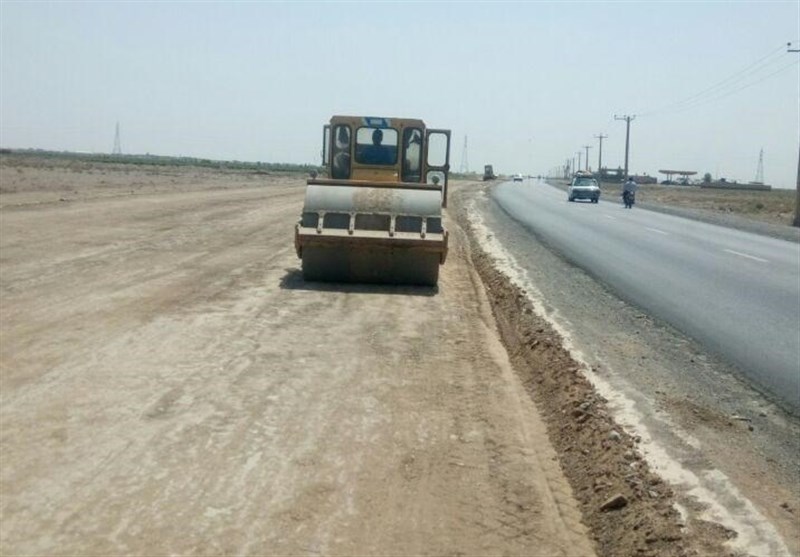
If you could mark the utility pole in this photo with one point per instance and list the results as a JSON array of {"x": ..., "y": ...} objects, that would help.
[
  {"x": 587, "y": 147},
  {"x": 600, "y": 158},
  {"x": 627, "y": 137},
  {"x": 760, "y": 168},
  {"x": 464, "y": 169},
  {"x": 796, "y": 221},
  {"x": 580, "y": 155},
  {"x": 117, "y": 144}
]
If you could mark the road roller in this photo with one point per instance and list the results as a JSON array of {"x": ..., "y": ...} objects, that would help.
[{"x": 376, "y": 215}]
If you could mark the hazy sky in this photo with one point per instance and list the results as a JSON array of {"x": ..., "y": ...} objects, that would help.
[{"x": 528, "y": 83}]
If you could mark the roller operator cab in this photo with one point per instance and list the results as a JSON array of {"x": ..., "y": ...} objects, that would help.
[{"x": 377, "y": 216}]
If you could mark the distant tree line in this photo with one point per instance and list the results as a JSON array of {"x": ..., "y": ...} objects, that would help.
[{"x": 161, "y": 160}]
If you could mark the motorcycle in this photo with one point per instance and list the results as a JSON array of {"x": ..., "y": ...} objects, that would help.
[{"x": 628, "y": 198}]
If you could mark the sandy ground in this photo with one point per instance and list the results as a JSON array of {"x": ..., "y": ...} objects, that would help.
[{"x": 170, "y": 385}]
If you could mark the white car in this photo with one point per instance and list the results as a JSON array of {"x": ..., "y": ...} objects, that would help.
[
  {"x": 583, "y": 187},
  {"x": 517, "y": 177}
]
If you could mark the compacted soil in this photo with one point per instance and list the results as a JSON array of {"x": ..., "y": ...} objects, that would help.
[{"x": 172, "y": 385}]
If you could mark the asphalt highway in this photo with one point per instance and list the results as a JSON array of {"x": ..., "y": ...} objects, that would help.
[{"x": 737, "y": 293}]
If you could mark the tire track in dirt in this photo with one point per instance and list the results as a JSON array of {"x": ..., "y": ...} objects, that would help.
[{"x": 210, "y": 401}]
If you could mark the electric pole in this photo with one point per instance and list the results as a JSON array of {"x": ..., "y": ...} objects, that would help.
[
  {"x": 464, "y": 168},
  {"x": 587, "y": 147},
  {"x": 797, "y": 198},
  {"x": 796, "y": 221},
  {"x": 580, "y": 155},
  {"x": 117, "y": 144},
  {"x": 627, "y": 137},
  {"x": 600, "y": 158},
  {"x": 760, "y": 168}
]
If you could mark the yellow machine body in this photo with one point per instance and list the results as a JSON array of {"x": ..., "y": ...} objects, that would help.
[{"x": 377, "y": 216}]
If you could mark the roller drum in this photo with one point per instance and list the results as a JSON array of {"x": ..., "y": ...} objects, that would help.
[{"x": 372, "y": 234}]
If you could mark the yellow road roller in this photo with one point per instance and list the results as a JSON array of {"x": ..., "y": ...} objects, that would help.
[{"x": 377, "y": 215}]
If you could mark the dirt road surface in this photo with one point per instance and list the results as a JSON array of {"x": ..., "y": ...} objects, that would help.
[{"x": 170, "y": 385}]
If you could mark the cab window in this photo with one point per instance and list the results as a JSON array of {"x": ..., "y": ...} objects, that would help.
[
  {"x": 376, "y": 146},
  {"x": 340, "y": 167},
  {"x": 412, "y": 155}
]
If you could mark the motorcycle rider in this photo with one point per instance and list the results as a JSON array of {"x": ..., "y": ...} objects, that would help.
[{"x": 629, "y": 190}]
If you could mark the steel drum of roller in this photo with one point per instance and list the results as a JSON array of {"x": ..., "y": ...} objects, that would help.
[{"x": 372, "y": 234}]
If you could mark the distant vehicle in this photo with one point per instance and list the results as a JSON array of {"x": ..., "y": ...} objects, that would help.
[
  {"x": 583, "y": 186},
  {"x": 517, "y": 177},
  {"x": 488, "y": 173}
]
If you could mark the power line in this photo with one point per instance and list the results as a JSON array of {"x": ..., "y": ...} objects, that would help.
[
  {"x": 734, "y": 91},
  {"x": 721, "y": 86},
  {"x": 734, "y": 83},
  {"x": 754, "y": 67}
]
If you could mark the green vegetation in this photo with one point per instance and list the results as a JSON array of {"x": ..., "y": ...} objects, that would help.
[
  {"x": 159, "y": 160},
  {"x": 467, "y": 176}
]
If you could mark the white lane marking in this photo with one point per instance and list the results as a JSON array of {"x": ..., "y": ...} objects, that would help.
[
  {"x": 740, "y": 254},
  {"x": 610, "y": 217},
  {"x": 657, "y": 230}
]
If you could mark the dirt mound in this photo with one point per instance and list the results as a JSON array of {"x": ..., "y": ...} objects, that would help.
[{"x": 628, "y": 508}]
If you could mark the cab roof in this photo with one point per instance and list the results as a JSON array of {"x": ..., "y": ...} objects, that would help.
[{"x": 377, "y": 121}]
